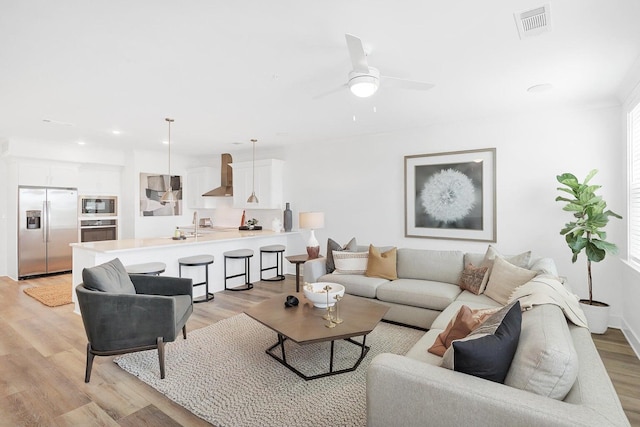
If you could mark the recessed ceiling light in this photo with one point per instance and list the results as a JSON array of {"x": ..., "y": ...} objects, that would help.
[
  {"x": 116, "y": 132},
  {"x": 81, "y": 143},
  {"x": 165, "y": 142},
  {"x": 236, "y": 143},
  {"x": 544, "y": 87}
]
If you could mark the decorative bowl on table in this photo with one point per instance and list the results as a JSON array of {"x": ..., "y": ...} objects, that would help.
[{"x": 317, "y": 294}]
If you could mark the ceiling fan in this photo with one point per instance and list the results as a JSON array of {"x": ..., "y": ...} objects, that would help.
[{"x": 365, "y": 80}]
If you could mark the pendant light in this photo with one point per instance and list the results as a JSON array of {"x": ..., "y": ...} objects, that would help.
[
  {"x": 252, "y": 198},
  {"x": 168, "y": 195}
]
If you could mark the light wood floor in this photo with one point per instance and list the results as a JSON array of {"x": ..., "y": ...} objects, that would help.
[{"x": 42, "y": 360}]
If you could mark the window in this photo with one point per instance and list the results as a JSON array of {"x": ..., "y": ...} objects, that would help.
[{"x": 634, "y": 184}]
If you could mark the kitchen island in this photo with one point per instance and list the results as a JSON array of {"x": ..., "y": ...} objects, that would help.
[{"x": 168, "y": 250}]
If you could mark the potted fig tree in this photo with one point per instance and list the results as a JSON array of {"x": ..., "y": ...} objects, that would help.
[{"x": 586, "y": 233}]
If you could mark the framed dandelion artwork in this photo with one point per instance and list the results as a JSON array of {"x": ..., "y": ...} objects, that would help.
[{"x": 451, "y": 195}]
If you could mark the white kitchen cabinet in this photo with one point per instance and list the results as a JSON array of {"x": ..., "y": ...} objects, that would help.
[
  {"x": 199, "y": 181},
  {"x": 98, "y": 180},
  {"x": 268, "y": 184},
  {"x": 47, "y": 174}
]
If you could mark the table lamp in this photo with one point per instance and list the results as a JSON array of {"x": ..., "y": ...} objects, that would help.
[{"x": 312, "y": 221}]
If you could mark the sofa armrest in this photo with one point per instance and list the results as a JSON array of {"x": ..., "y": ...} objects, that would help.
[
  {"x": 161, "y": 285},
  {"x": 314, "y": 268},
  {"x": 417, "y": 393}
]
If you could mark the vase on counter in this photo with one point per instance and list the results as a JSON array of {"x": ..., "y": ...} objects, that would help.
[{"x": 288, "y": 218}]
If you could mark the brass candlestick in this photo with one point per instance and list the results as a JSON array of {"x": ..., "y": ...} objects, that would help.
[
  {"x": 330, "y": 323},
  {"x": 337, "y": 319}
]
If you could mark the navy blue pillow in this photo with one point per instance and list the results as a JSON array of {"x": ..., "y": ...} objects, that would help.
[{"x": 489, "y": 356}]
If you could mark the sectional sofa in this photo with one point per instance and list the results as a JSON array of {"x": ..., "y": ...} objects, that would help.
[{"x": 555, "y": 377}]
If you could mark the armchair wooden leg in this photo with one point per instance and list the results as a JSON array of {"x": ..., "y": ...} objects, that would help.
[
  {"x": 90, "y": 356},
  {"x": 160, "y": 343},
  {"x": 184, "y": 332}
]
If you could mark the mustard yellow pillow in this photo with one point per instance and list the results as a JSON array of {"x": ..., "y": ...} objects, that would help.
[{"x": 382, "y": 264}]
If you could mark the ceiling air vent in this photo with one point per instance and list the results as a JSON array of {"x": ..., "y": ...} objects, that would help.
[{"x": 533, "y": 22}]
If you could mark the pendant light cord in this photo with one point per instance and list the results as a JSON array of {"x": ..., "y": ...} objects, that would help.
[{"x": 169, "y": 143}]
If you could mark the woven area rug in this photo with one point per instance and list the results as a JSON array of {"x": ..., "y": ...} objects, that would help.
[
  {"x": 222, "y": 374},
  {"x": 51, "y": 295}
]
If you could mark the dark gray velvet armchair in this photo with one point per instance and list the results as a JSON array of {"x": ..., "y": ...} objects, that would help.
[{"x": 127, "y": 313}]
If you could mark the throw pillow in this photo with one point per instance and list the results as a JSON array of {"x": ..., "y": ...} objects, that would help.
[
  {"x": 488, "y": 351},
  {"x": 521, "y": 260},
  {"x": 383, "y": 264},
  {"x": 108, "y": 277},
  {"x": 350, "y": 262},
  {"x": 505, "y": 277},
  {"x": 332, "y": 245},
  {"x": 459, "y": 327},
  {"x": 472, "y": 278}
]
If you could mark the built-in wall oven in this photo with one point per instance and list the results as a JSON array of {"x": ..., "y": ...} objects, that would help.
[
  {"x": 95, "y": 230},
  {"x": 98, "y": 218}
]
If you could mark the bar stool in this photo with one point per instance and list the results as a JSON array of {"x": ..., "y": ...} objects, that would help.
[
  {"x": 151, "y": 268},
  {"x": 197, "y": 261},
  {"x": 279, "y": 251},
  {"x": 245, "y": 254}
]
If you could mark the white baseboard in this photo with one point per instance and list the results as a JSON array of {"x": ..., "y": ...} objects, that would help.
[{"x": 634, "y": 342}]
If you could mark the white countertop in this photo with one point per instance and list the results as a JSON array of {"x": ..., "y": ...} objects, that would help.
[{"x": 210, "y": 236}]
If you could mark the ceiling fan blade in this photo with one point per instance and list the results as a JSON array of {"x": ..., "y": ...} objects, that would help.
[
  {"x": 331, "y": 92},
  {"x": 356, "y": 52},
  {"x": 405, "y": 84}
]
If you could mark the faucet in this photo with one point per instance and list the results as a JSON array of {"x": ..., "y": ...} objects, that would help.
[{"x": 195, "y": 223}]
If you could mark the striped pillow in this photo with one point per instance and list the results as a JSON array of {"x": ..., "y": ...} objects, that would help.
[{"x": 350, "y": 262}]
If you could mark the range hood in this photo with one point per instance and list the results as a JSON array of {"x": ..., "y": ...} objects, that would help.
[{"x": 226, "y": 179}]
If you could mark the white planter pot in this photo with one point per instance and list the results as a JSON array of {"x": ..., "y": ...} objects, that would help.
[{"x": 597, "y": 316}]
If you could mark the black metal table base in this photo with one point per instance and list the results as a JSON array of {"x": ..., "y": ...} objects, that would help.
[{"x": 364, "y": 349}]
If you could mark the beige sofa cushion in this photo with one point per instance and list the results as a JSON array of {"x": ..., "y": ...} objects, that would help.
[
  {"x": 418, "y": 293},
  {"x": 355, "y": 284},
  {"x": 438, "y": 266},
  {"x": 546, "y": 361}
]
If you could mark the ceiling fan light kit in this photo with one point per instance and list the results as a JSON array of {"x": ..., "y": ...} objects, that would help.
[{"x": 364, "y": 85}]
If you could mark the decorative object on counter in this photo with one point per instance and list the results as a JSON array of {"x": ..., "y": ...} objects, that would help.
[
  {"x": 276, "y": 225},
  {"x": 168, "y": 195},
  {"x": 251, "y": 225},
  {"x": 243, "y": 219},
  {"x": 288, "y": 218},
  {"x": 252, "y": 198},
  {"x": 318, "y": 295},
  {"x": 312, "y": 221}
]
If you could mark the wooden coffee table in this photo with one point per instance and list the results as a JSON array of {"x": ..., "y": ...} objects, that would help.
[{"x": 304, "y": 324}]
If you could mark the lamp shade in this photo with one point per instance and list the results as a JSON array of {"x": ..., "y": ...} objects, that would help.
[{"x": 311, "y": 220}]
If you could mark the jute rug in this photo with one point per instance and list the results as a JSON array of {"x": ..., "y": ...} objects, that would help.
[
  {"x": 51, "y": 295},
  {"x": 222, "y": 374}
]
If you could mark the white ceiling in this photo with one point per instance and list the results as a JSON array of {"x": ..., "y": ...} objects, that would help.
[{"x": 229, "y": 71}]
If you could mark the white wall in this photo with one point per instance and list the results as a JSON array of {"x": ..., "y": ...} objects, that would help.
[{"x": 359, "y": 184}]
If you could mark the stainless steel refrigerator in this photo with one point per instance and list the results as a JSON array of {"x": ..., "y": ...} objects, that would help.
[{"x": 47, "y": 224}]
